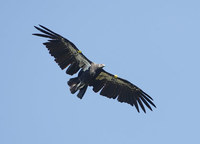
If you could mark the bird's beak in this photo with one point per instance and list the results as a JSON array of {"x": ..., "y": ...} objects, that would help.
[{"x": 103, "y": 65}]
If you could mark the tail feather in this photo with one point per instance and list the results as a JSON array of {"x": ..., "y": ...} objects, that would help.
[
  {"x": 73, "y": 81},
  {"x": 82, "y": 92},
  {"x": 73, "y": 89}
]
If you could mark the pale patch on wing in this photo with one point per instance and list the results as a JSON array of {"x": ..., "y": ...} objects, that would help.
[{"x": 115, "y": 79}]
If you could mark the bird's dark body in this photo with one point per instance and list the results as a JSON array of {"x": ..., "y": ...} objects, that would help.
[
  {"x": 84, "y": 79},
  {"x": 67, "y": 55},
  {"x": 85, "y": 76},
  {"x": 90, "y": 74}
]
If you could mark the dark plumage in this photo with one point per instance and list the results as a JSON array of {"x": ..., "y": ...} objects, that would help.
[{"x": 67, "y": 55}]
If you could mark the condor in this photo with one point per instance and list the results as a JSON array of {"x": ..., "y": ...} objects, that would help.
[{"x": 67, "y": 55}]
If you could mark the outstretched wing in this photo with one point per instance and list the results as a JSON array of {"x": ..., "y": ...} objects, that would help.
[
  {"x": 114, "y": 87},
  {"x": 65, "y": 52}
]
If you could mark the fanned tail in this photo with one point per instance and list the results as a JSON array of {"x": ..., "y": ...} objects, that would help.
[{"x": 75, "y": 85}]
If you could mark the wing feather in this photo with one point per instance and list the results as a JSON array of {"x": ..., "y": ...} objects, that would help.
[
  {"x": 66, "y": 54},
  {"x": 123, "y": 90},
  {"x": 141, "y": 105},
  {"x": 146, "y": 103},
  {"x": 98, "y": 85}
]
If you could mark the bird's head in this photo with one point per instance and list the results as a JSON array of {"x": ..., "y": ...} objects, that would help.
[
  {"x": 95, "y": 67},
  {"x": 101, "y": 65}
]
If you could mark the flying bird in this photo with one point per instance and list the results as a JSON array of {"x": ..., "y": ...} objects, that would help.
[{"x": 67, "y": 55}]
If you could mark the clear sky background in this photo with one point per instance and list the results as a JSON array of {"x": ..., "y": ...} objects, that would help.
[{"x": 154, "y": 44}]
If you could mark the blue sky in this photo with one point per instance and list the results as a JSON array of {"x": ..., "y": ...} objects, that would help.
[{"x": 154, "y": 44}]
